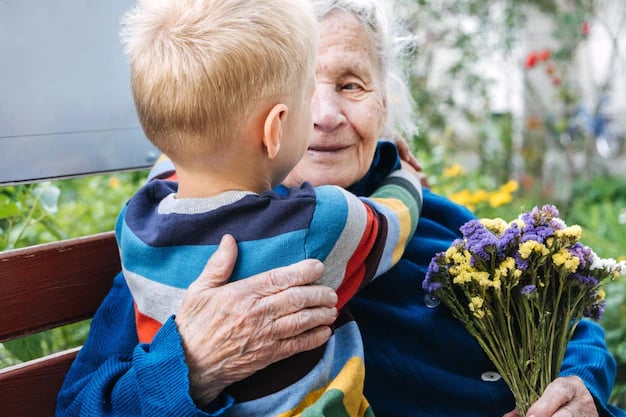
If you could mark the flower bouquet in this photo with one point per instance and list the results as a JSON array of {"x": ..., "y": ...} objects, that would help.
[{"x": 520, "y": 289}]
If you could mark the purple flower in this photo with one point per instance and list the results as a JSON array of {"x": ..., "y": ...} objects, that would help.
[
  {"x": 434, "y": 286},
  {"x": 540, "y": 216},
  {"x": 582, "y": 252},
  {"x": 428, "y": 285},
  {"x": 457, "y": 243},
  {"x": 520, "y": 263},
  {"x": 583, "y": 279},
  {"x": 537, "y": 233},
  {"x": 557, "y": 224},
  {"x": 595, "y": 310},
  {"x": 528, "y": 289},
  {"x": 480, "y": 241},
  {"x": 544, "y": 232},
  {"x": 434, "y": 264},
  {"x": 510, "y": 238},
  {"x": 526, "y": 236},
  {"x": 549, "y": 211}
]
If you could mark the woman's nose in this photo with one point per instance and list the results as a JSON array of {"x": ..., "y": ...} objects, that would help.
[{"x": 327, "y": 111}]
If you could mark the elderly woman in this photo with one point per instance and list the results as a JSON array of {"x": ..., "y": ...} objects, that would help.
[{"x": 419, "y": 360}]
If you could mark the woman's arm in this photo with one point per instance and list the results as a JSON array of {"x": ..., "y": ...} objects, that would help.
[{"x": 114, "y": 375}]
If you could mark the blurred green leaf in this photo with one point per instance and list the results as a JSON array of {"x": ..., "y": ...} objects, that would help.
[
  {"x": 27, "y": 348},
  {"x": 8, "y": 208}
]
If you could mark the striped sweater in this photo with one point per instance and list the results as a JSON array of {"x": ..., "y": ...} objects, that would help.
[{"x": 165, "y": 242}]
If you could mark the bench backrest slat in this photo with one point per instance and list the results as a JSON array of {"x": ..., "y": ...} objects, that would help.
[
  {"x": 30, "y": 389},
  {"x": 43, "y": 287},
  {"x": 47, "y": 285}
]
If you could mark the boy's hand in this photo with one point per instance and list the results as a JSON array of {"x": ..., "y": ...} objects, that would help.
[{"x": 407, "y": 158}]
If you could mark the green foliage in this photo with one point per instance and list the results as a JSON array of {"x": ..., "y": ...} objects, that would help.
[
  {"x": 44, "y": 343},
  {"x": 46, "y": 212},
  {"x": 27, "y": 210}
]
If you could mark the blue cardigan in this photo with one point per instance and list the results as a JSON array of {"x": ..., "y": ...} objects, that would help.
[{"x": 419, "y": 360}]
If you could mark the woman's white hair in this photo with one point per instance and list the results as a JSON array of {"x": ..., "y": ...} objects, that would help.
[{"x": 392, "y": 45}]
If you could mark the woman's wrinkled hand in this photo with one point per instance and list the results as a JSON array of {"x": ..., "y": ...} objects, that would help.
[
  {"x": 564, "y": 397},
  {"x": 230, "y": 331}
]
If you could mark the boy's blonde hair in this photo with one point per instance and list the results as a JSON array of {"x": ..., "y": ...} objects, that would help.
[{"x": 200, "y": 68}]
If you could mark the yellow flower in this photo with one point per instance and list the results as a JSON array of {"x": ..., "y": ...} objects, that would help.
[
  {"x": 453, "y": 255},
  {"x": 566, "y": 260},
  {"x": 572, "y": 232},
  {"x": 503, "y": 195},
  {"x": 497, "y": 225},
  {"x": 601, "y": 294},
  {"x": 482, "y": 278},
  {"x": 503, "y": 270},
  {"x": 114, "y": 182},
  {"x": 510, "y": 187},
  {"x": 475, "y": 306},
  {"x": 499, "y": 198},
  {"x": 527, "y": 248},
  {"x": 464, "y": 198},
  {"x": 452, "y": 250},
  {"x": 462, "y": 278},
  {"x": 480, "y": 196},
  {"x": 519, "y": 222},
  {"x": 453, "y": 171},
  {"x": 477, "y": 302}
]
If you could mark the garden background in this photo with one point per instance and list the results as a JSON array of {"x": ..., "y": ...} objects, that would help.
[{"x": 519, "y": 103}]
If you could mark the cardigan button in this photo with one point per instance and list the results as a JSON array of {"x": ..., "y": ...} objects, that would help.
[
  {"x": 490, "y": 376},
  {"x": 431, "y": 301}
]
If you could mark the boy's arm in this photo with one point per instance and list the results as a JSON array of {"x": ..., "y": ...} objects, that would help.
[
  {"x": 359, "y": 239},
  {"x": 115, "y": 375},
  {"x": 402, "y": 188}
]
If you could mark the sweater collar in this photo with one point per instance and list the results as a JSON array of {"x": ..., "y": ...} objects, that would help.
[{"x": 385, "y": 161}]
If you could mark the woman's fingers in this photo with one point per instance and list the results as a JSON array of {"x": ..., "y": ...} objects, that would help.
[
  {"x": 279, "y": 279},
  {"x": 564, "y": 397},
  {"x": 220, "y": 266},
  {"x": 302, "y": 321}
]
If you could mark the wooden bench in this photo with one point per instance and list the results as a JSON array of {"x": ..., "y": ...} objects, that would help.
[{"x": 44, "y": 287}]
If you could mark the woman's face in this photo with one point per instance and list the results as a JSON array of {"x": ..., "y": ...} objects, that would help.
[{"x": 349, "y": 108}]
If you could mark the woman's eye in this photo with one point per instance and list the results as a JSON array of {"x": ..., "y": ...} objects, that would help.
[{"x": 351, "y": 87}]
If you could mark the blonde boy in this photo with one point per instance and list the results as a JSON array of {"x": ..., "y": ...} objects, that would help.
[{"x": 224, "y": 88}]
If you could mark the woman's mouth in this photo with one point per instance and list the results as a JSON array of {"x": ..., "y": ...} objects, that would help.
[{"x": 326, "y": 149}]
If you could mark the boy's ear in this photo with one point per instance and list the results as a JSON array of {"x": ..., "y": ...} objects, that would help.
[{"x": 273, "y": 129}]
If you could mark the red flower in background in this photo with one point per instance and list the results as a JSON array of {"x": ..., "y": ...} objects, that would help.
[
  {"x": 531, "y": 60},
  {"x": 535, "y": 58},
  {"x": 584, "y": 28}
]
